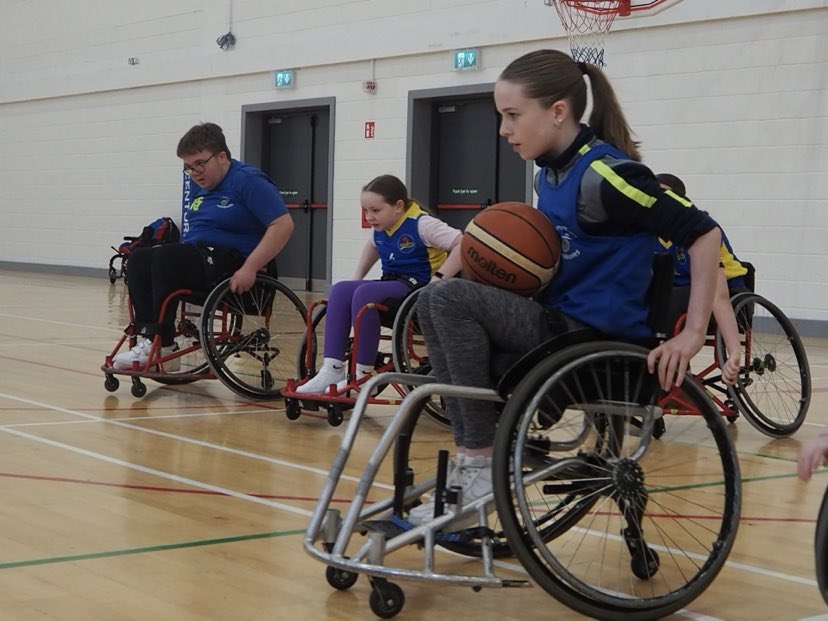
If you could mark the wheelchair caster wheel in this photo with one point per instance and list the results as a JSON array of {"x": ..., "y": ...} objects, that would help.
[
  {"x": 111, "y": 383},
  {"x": 292, "y": 409},
  {"x": 340, "y": 579},
  {"x": 645, "y": 563},
  {"x": 113, "y": 276},
  {"x": 138, "y": 388},
  {"x": 388, "y": 602},
  {"x": 659, "y": 428},
  {"x": 732, "y": 418},
  {"x": 335, "y": 416}
]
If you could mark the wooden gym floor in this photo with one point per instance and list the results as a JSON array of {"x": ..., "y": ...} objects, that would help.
[{"x": 190, "y": 504}]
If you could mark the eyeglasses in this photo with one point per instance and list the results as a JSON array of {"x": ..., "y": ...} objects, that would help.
[{"x": 198, "y": 167}]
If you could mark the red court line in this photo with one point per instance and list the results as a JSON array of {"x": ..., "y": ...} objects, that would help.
[
  {"x": 154, "y": 488},
  {"x": 183, "y": 490}
]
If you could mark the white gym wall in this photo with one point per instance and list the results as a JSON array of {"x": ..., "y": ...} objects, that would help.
[{"x": 730, "y": 96}]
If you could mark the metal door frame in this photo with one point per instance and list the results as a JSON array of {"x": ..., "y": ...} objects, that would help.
[
  {"x": 420, "y": 144},
  {"x": 251, "y": 152}
]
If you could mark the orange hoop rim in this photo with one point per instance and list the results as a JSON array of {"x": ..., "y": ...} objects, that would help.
[{"x": 623, "y": 8}]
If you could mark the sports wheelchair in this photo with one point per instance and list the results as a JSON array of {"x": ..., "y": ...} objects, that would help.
[
  {"x": 246, "y": 340},
  {"x": 402, "y": 349},
  {"x": 609, "y": 520},
  {"x": 773, "y": 388}
]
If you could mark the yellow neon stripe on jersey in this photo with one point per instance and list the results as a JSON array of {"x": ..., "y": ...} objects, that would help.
[
  {"x": 680, "y": 199},
  {"x": 618, "y": 182}
]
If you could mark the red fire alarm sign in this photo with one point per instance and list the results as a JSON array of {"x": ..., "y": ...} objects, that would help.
[{"x": 369, "y": 129}]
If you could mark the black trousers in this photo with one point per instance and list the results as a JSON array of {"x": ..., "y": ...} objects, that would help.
[{"x": 155, "y": 272}]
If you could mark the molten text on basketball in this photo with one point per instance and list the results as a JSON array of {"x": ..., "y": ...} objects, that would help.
[{"x": 490, "y": 266}]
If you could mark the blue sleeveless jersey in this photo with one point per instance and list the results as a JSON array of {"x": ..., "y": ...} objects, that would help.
[
  {"x": 733, "y": 268},
  {"x": 403, "y": 253},
  {"x": 681, "y": 261},
  {"x": 602, "y": 279}
]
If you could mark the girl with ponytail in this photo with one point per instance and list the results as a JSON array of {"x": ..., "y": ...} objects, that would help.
[{"x": 608, "y": 209}]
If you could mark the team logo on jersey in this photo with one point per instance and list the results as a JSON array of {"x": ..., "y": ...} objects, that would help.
[
  {"x": 406, "y": 243},
  {"x": 567, "y": 251},
  {"x": 195, "y": 204},
  {"x": 225, "y": 203}
]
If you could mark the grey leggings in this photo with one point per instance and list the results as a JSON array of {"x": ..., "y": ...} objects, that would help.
[{"x": 474, "y": 333}]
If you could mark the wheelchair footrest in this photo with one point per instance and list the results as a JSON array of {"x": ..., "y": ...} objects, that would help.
[
  {"x": 395, "y": 526},
  {"x": 390, "y": 528}
]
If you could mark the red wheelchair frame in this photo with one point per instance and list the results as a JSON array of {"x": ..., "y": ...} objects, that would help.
[
  {"x": 773, "y": 387},
  {"x": 404, "y": 357},
  {"x": 236, "y": 338}
]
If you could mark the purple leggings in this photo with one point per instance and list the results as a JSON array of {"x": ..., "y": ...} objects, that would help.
[{"x": 344, "y": 301}]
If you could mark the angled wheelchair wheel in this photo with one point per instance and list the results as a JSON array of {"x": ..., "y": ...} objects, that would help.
[
  {"x": 773, "y": 390},
  {"x": 250, "y": 339},
  {"x": 821, "y": 547},
  {"x": 613, "y": 523},
  {"x": 410, "y": 354}
]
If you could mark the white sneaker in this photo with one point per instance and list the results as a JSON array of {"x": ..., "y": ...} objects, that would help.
[
  {"x": 319, "y": 383},
  {"x": 425, "y": 512},
  {"x": 476, "y": 478},
  {"x": 138, "y": 354}
]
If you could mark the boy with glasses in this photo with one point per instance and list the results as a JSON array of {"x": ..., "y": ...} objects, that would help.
[{"x": 235, "y": 224}]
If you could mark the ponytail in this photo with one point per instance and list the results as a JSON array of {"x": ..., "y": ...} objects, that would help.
[{"x": 607, "y": 119}]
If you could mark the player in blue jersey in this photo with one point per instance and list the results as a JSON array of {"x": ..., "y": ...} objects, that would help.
[
  {"x": 608, "y": 209},
  {"x": 234, "y": 225},
  {"x": 411, "y": 246},
  {"x": 729, "y": 281}
]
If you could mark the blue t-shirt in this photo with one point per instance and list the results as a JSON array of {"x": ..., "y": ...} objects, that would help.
[{"x": 235, "y": 213}]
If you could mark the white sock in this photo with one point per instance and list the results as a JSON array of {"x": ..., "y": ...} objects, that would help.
[
  {"x": 363, "y": 369},
  {"x": 332, "y": 363}
]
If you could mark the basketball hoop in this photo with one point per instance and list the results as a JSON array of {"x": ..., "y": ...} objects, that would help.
[{"x": 587, "y": 21}]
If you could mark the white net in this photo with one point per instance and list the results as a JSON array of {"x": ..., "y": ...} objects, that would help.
[{"x": 586, "y": 22}]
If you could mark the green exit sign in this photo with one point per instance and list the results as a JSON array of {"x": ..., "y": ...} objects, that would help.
[
  {"x": 466, "y": 59},
  {"x": 286, "y": 78}
]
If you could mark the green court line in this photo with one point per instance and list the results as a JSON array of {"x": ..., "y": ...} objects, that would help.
[{"x": 169, "y": 546}]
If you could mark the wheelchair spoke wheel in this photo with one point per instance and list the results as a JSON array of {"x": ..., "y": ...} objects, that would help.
[
  {"x": 410, "y": 354},
  {"x": 250, "y": 339},
  {"x": 773, "y": 390},
  {"x": 613, "y": 523},
  {"x": 821, "y": 547}
]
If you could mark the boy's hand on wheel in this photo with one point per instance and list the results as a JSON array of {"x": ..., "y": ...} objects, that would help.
[{"x": 242, "y": 280}]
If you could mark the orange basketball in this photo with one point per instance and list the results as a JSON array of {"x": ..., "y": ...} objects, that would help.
[{"x": 512, "y": 246}]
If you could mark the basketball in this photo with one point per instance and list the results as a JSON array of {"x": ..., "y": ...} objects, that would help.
[{"x": 511, "y": 246}]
